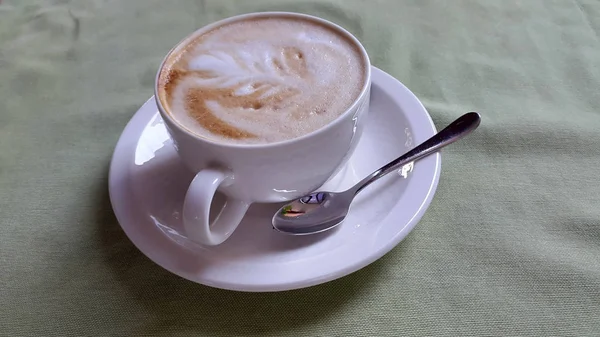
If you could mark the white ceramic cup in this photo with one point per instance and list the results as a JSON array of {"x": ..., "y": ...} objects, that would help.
[{"x": 260, "y": 173}]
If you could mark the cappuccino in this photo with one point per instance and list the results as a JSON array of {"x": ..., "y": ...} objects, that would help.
[{"x": 262, "y": 80}]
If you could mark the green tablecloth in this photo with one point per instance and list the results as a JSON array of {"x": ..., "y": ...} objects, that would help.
[{"x": 509, "y": 247}]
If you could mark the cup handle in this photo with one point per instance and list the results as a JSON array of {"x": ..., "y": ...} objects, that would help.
[{"x": 196, "y": 209}]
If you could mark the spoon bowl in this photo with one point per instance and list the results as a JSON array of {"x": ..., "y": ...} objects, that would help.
[
  {"x": 321, "y": 211},
  {"x": 313, "y": 214}
]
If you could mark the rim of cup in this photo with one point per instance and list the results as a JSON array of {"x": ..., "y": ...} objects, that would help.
[{"x": 358, "y": 100}]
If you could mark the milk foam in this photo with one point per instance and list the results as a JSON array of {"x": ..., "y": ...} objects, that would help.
[{"x": 263, "y": 80}]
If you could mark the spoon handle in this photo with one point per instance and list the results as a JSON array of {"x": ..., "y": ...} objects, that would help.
[{"x": 453, "y": 132}]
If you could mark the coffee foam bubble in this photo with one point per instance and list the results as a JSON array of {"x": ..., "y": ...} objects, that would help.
[{"x": 262, "y": 80}]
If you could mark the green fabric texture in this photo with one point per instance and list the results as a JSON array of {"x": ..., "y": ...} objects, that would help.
[{"x": 510, "y": 246}]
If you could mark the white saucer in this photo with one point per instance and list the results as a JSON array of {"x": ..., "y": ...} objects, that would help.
[{"x": 147, "y": 184}]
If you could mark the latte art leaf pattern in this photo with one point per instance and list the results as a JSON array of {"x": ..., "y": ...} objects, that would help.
[
  {"x": 269, "y": 71},
  {"x": 235, "y": 78}
]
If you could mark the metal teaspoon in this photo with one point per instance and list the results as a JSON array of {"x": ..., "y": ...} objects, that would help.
[{"x": 320, "y": 211}]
